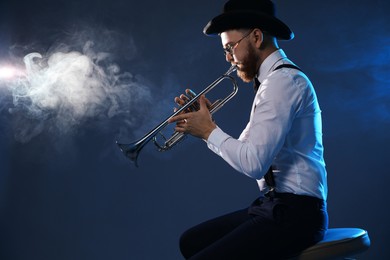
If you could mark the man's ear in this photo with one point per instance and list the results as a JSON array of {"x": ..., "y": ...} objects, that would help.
[{"x": 259, "y": 37}]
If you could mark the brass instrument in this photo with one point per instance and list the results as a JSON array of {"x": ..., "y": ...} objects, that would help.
[{"x": 132, "y": 150}]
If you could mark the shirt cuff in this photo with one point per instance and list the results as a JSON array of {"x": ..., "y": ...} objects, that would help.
[{"x": 216, "y": 139}]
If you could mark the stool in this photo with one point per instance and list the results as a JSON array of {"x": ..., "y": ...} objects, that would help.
[{"x": 338, "y": 243}]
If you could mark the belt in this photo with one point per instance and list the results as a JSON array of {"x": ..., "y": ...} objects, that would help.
[{"x": 302, "y": 200}]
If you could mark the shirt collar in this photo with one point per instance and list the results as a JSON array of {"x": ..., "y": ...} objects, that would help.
[{"x": 269, "y": 63}]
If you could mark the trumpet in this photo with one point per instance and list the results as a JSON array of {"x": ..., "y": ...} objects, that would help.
[{"x": 132, "y": 150}]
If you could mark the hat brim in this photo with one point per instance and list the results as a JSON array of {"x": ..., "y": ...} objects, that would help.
[{"x": 248, "y": 19}]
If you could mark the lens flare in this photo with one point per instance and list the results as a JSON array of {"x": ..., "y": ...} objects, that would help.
[{"x": 8, "y": 72}]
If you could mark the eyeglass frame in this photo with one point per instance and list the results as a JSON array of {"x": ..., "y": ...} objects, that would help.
[{"x": 229, "y": 49}]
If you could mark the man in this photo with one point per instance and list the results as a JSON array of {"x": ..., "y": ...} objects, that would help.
[{"x": 281, "y": 146}]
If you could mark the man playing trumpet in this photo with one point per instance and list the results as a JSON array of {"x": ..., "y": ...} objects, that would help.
[{"x": 280, "y": 147}]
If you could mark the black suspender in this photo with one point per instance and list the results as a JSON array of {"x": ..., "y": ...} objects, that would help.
[
  {"x": 291, "y": 66},
  {"x": 269, "y": 176},
  {"x": 257, "y": 83}
]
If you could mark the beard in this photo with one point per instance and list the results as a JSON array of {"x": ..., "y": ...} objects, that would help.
[{"x": 247, "y": 69}]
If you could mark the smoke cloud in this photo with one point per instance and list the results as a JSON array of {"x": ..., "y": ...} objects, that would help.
[{"x": 59, "y": 91}]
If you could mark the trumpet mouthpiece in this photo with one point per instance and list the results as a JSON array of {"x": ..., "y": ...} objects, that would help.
[{"x": 231, "y": 69}]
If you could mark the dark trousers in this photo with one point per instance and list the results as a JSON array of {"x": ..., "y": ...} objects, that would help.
[{"x": 274, "y": 227}]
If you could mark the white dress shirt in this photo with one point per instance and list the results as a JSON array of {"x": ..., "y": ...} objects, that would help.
[{"x": 284, "y": 130}]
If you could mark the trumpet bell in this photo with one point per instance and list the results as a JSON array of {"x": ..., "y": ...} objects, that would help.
[{"x": 131, "y": 151}]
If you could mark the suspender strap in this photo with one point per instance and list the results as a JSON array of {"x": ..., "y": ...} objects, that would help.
[
  {"x": 269, "y": 176},
  {"x": 269, "y": 179},
  {"x": 291, "y": 66}
]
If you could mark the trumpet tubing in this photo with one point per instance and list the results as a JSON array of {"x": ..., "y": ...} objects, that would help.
[{"x": 132, "y": 150}]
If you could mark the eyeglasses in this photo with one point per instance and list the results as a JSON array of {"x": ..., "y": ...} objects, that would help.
[{"x": 230, "y": 47}]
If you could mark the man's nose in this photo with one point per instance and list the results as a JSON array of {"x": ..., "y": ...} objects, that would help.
[{"x": 229, "y": 58}]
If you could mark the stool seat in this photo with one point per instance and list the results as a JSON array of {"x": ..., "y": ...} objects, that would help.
[{"x": 338, "y": 243}]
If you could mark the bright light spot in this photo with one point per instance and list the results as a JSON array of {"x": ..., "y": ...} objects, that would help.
[{"x": 8, "y": 72}]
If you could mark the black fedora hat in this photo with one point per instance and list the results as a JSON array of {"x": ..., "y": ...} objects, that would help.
[{"x": 239, "y": 14}]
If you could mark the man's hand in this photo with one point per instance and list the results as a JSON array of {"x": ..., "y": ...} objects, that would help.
[{"x": 197, "y": 123}]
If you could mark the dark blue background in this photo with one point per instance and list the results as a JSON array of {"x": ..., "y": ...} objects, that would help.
[{"x": 75, "y": 196}]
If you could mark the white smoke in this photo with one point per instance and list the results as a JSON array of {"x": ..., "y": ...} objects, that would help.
[{"x": 60, "y": 91}]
